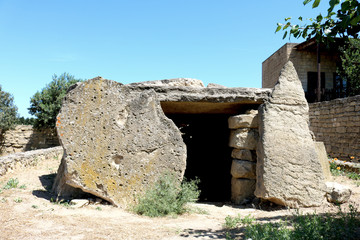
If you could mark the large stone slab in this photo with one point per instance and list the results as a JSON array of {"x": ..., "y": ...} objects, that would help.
[
  {"x": 288, "y": 169},
  {"x": 179, "y": 98},
  {"x": 175, "y": 82},
  {"x": 116, "y": 141}
]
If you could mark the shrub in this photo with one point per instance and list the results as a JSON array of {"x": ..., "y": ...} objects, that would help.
[{"x": 167, "y": 197}]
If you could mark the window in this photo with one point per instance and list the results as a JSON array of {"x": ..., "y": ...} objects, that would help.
[
  {"x": 310, "y": 94},
  {"x": 339, "y": 86}
]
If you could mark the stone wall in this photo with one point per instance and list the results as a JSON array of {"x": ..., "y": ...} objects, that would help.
[
  {"x": 24, "y": 138},
  {"x": 337, "y": 124},
  {"x": 244, "y": 140},
  {"x": 30, "y": 158}
]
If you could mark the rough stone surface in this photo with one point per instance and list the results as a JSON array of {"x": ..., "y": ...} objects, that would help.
[
  {"x": 198, "y": 100},
  {"x": 11, "y": 162},
  {"x": 337, "y": 193},
  {"x": 215, "y": 85},
  {"x": 117, "y": 142},
  {"x": 175, "y": 82},
  {"x": 244, "y": 121},
  {"x": 242, "y": 190},
  {"x": 288, "y": 169},
  {"x": 324, "y": 161},
  {"x": 337, "y": 124},
  {"x": 168, "y": 93},
  {"x": 243, "y": 169},
  {"x": 244, "y": 154},
  {"x": 244, "y": 138},
  {"x": 25, "y": 138}
]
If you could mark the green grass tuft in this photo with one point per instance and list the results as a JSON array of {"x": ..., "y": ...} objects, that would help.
[{"x": 12, "y": 183}]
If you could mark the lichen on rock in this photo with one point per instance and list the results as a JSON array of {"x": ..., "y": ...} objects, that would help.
[{"x": 116, "y": 142}]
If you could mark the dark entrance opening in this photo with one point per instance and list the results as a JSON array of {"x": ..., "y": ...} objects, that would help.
[{"x": 208, "y": 153}]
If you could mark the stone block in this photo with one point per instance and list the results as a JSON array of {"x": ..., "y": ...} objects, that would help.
[
  {"x": 244, "y": 121},
  {"x": 243, "y": 169},
  {"x": 244, "y": 154},
  {"x": 337, "y": 193},
  {"x": 242, "y": 190},
  {"x": 244, "y": 138}
]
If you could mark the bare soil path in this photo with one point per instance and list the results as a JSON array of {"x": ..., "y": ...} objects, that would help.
[{"x": 29, "y": 214}]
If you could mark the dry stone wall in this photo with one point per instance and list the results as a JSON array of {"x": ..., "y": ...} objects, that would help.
[
  {"x": 337, "y": 124},
  {"x": 244, "y": 140},
  {"x": 29, "y": 158},
  {"x": 24, "y": 138}
]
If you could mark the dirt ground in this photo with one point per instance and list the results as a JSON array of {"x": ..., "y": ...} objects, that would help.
[{"x": 29, "y": 214}]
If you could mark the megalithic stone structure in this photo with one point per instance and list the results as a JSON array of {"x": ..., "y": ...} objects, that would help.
[
  {"x": 288, "y": 172},
  {"x": 116, "y": 142}
]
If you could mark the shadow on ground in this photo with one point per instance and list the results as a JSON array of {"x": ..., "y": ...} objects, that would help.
[
  {"x": 212, "y": 234},
  {"x": 47, "y": 182}
]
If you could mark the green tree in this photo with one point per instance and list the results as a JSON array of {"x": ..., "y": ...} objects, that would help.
[
  {"x": 25, "y": 121},
  {"x": 343, "y": 23},
  {"x": 349, "y": 69},
  {"x": 8, "y": 114},
  {"x": 45, "y": 105}
]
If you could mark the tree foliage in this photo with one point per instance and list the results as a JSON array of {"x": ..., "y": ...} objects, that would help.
[
  {"x": 8, "y": 114},
  {"x": 45, "y": 105},
  {"x": 342, "y": 23},
  {"x": 25, "y": 121},
  {"x": 349, "y": 69},
  {"x": 8, "y": 111}
]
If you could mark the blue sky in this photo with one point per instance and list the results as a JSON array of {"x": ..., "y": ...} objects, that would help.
[{"x": 223, "y": 42}]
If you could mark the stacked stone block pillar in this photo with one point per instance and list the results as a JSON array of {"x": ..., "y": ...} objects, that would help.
[{"x": 244, "y": 140}]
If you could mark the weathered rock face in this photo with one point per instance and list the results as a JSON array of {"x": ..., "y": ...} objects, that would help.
[
  {"x": 116, "y": 142},
  {"x": 288, "y": 169},
  {"x": 243, "y": 169},
  {"x": 244, "y": 154},
  {"x": 176, "y": 82},
  {"x": 242, "y": 190},
  {"x": 323, "y": 158},
  {"x": 337, "y": 193},
  {"x": 249, "y": 120},
  {"x": 244, "y": 138}
]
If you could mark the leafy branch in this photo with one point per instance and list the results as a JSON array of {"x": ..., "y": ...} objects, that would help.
[{"x": 342, "y": 23}]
